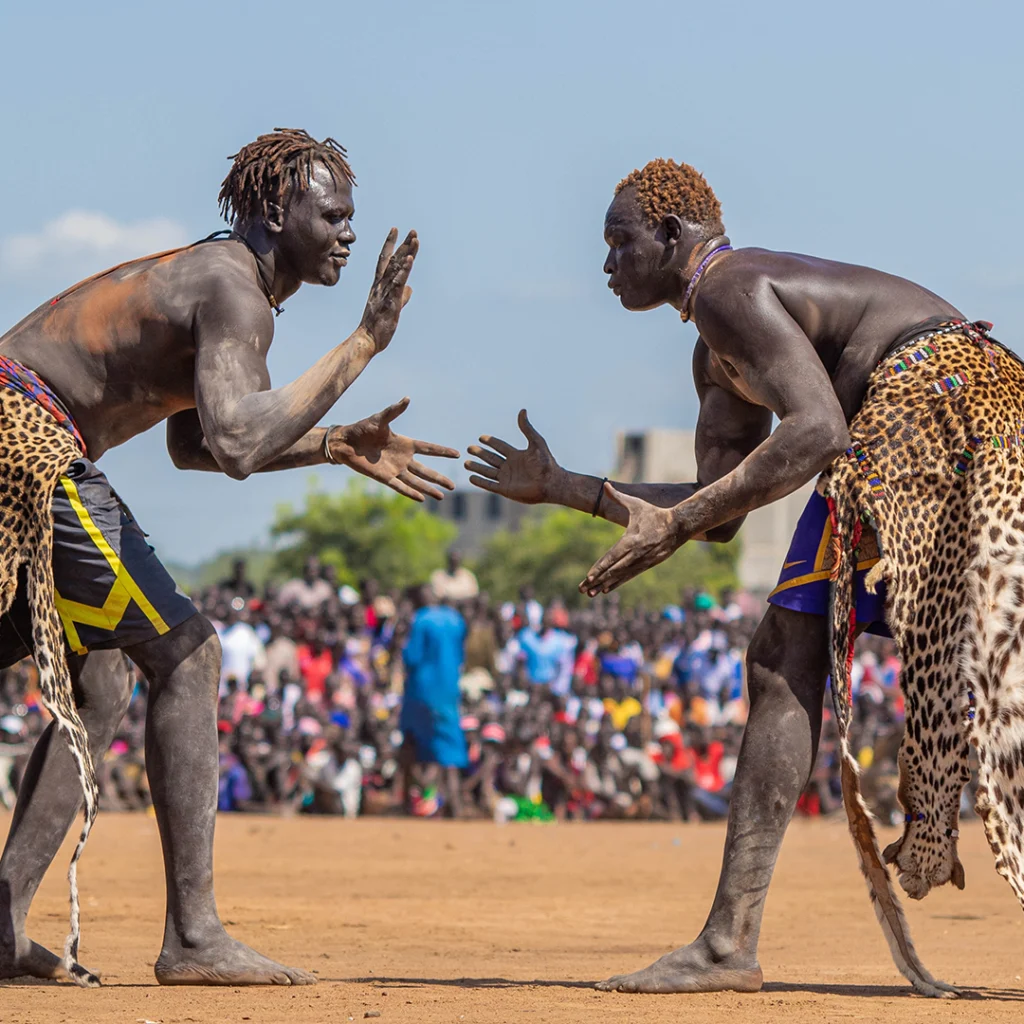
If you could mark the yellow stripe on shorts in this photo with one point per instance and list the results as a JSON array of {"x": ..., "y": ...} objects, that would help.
[{"x": 123, "y": 590}]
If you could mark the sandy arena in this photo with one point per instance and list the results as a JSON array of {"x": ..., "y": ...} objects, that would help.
[{"x": 436, "y": 921}]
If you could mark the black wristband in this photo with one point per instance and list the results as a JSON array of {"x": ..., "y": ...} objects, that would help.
[{"x": 600, "y": 495}]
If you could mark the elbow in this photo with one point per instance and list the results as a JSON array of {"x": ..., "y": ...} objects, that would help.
[
  {"x": 839, "y": 442},
  {"x": 179, "y": 459},
  {"x": 235, "y": 458},
  {"x": 238, "y": 468},
  {"x": 725, "y": 532},
  {"x": 182, "y": 457},
  {"x": 830, "y": 440}
]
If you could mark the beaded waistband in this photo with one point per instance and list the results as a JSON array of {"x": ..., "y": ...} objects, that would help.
[{"x": 16, "y": 377}]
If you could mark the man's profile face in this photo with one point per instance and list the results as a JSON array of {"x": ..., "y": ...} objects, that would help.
[
  {"x": 317, "y": 228},
  {"x": 638, "y": 265}
]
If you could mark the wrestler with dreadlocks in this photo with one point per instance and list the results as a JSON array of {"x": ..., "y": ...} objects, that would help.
[
  {"x": 914, "y": 419},
  {"x": 181, "y": 336}
]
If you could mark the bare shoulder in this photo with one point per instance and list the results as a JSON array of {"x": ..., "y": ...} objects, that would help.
[
  {"x": 751, "y": 272},
  {"x": 221, "y": 281}
]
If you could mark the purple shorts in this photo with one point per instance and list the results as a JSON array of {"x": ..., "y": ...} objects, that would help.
[{"x": 804, "y": 581}]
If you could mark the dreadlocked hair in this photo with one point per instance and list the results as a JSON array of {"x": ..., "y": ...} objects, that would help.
[
  {"x": 263, "y": 171},
  {"x": 664, "y": 187}
]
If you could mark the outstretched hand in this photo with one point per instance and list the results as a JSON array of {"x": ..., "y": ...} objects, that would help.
[
  {"x": 653, "y": 534},
  {"x": 389, "y": 292},
  {"x": 522, "y": 475},
  {"x": 371, "y": 448}
]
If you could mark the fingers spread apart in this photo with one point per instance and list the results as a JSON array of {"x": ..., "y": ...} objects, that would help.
[
  {"x": 426, "y": 473},
  {"x": 497, "y": 461},
  {"x": 498, "y": 445},
  {"x": 440, "y": 450},
  {"x": 484, "y": 484},
  {"x": 478, "y": 467}
]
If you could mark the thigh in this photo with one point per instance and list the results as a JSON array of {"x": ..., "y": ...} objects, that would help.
[
  {"x": 790, "y": 647},
  {"x": 110, "y": 589},
  {"x": 103, "y": 682}
]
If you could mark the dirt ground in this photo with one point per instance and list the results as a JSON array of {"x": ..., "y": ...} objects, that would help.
[{"x": 437, "y": 921}]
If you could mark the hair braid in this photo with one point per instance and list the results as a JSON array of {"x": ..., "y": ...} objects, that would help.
[{"x": 264, "y": 170}]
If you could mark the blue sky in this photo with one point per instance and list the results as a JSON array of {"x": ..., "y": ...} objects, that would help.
[{"x": 879, "y": 133}]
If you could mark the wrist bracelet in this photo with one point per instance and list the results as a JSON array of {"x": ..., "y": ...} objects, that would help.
[
  {"x": 327, "y": 446},
  {"x": 600, "y": 495}
]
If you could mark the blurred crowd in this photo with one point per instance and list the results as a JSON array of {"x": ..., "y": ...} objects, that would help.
[{"x": 598, "y": 712}]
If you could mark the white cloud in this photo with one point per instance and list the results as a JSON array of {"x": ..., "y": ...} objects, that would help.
[{"x": 84, "y": 241}]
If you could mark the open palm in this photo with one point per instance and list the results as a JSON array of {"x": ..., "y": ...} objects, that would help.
[
  {"x": 371, "y": 447},
  {"x": 523, "y": 475}
]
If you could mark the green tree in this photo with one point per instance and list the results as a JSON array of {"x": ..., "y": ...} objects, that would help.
[
  {"x": 363, "y": 531},
  {"x": 553, "y": 551}
]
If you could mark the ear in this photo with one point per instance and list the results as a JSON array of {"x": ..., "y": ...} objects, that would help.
[
  {"x": 672, "y": 229},
  {"x": 273, "y": 221}
]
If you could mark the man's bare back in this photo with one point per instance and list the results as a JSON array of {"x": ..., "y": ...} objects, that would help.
[
  {"x": 120, "y": 350},
  {"x": 849, "y": 314}
]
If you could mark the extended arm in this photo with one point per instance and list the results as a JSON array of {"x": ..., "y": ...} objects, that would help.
[
  {"x": 776, "y": 365},
  {"x": 728, "y": 430},
  {"x": 757, "y": 344},
  {"x": 247, "y": 424},
  {"x": 533, "y": 477},
  {"x": 369, "y": 447}
]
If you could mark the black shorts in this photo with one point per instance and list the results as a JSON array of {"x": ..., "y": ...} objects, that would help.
[{"x": 110, "y": 588}]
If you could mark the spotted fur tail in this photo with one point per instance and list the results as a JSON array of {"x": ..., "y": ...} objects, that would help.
[
  {"x": 58, "y": 699},
  {"x": 883, "y": 898},
  {"x": 846, "y": 529},
  {"x": 35, "y": 449}
]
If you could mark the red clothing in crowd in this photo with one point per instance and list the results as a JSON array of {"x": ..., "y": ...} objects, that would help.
[
  {"x": 707, "y": 769},
  {"x": 315, "y": 668},
  {"x": 585, "y": 668}
]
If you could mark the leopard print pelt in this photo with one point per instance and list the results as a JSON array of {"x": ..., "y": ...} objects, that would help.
[
  {"x": 34, "y": 451},
  {"x": 936, "y": 469}
]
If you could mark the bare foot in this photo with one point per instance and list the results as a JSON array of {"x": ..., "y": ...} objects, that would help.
[
  {"x": 225, "y": 962},
  {"x": 29, "y": 959},
  {"x": 691, "y": 969}
]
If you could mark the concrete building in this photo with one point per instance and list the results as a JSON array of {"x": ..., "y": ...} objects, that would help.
[
  {"x": 667, "y": 456},
  {"x": 477, "y": 514}
]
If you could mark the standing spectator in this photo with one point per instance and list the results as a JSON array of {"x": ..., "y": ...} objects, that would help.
[
  {"x": 242, "y": 649},
  {"x": 310, "y": 592},
  {"x": 315, "y": 665},
  {"x": 549, "y": 653},
  {"x": 282, "y": 661},
  {"x": 430, "y": 718},
  {"x": 456, "y": 583},
  {"x": 237, "y": 584}
]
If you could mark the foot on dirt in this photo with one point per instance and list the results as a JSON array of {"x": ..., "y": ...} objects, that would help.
[
  {"x": 225, "y": 962},
  {"x": 691, "y": 969},
  {"x": 29, "y": 959}
]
